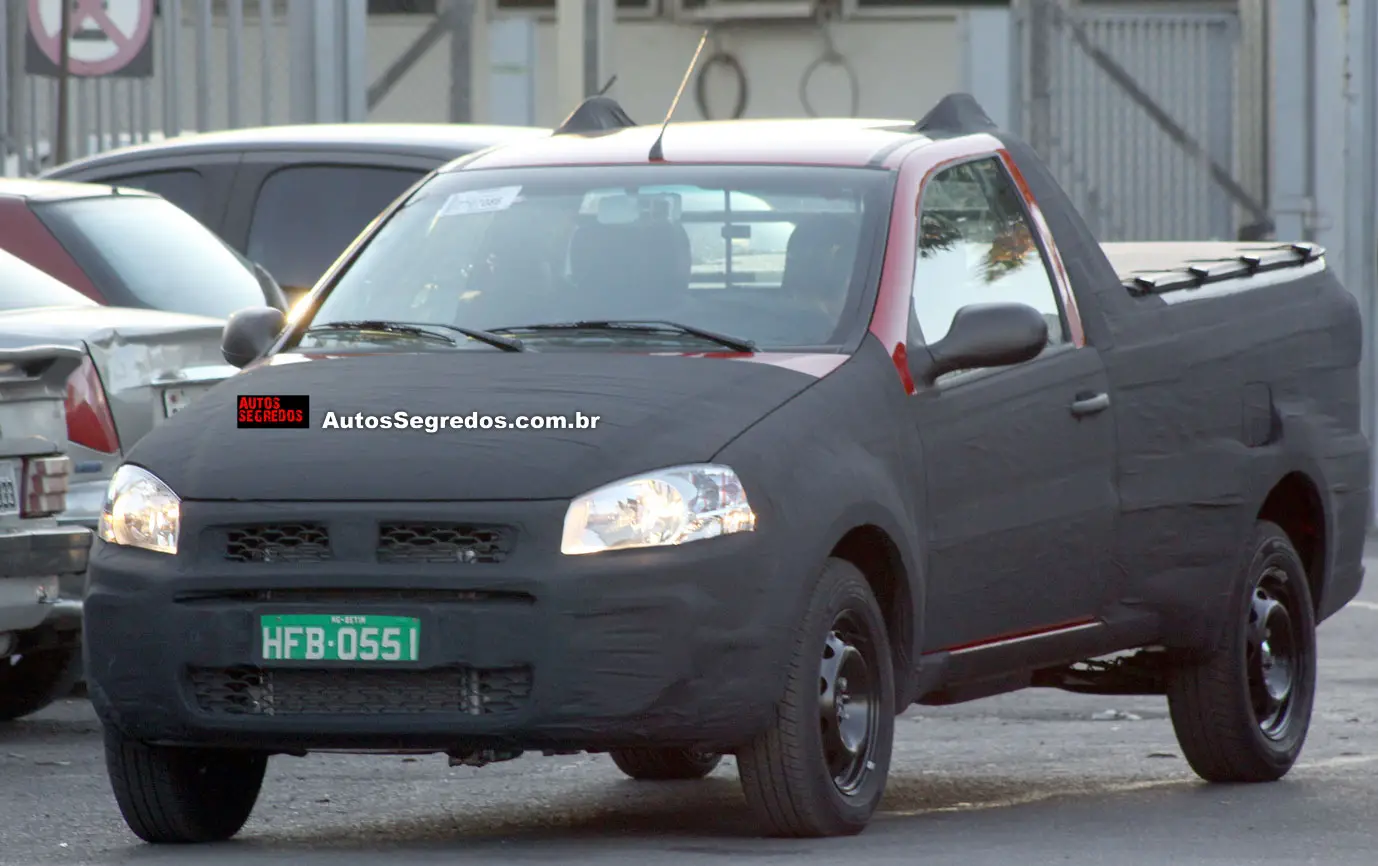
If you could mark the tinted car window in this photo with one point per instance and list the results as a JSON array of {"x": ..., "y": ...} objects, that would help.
[
  {"x": 23, "y": 285},
  {"x": 183, "y": 187},
  {"x": 774, "y": 254},
  {"x": 146, "y": 252},
  {"x": 305, "y": 216}
]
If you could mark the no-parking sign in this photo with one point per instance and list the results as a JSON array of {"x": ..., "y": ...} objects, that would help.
[{"x": 108, "y": 37}]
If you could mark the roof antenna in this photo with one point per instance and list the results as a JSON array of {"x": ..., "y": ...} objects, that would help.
[
  {"x": 657, "y": 151},
  {"x": 608, "y": 86}
]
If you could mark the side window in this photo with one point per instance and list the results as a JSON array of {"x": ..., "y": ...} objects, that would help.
[
  {"x": 184, "y": 187},
  {"x": 305, "y": 216},
  {"x": 976, "y": 246}
]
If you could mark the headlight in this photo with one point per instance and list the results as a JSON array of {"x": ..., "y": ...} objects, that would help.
[
  {"x": 140, "y": 511},
  {"x": 671, "y": 506}
]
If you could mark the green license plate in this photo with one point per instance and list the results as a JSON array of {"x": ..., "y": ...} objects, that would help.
[{"x": 340, "y": 638}]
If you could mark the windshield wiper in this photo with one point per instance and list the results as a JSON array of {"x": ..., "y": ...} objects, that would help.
[
  {"x": 423, "y": 329},
  {"x": 648, "y": 326}
]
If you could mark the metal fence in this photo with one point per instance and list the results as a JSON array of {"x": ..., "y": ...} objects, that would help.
[
  {"x": 292, "y": 60},
  {"x": 1136, "y": 114}
]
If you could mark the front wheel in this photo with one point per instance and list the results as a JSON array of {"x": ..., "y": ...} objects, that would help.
[
  {"x": 820, "y": 769},
  {"x": 1242, "y": 713},
  {"x": 172, "y": 795}
]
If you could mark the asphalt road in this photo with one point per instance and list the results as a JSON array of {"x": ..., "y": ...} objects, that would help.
[{"x": 1035, "y": 778}]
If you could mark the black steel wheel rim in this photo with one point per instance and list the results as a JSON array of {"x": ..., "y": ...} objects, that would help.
[
  {"x": 849, "y": 702},
  {"x": 1276, "y": 654}
]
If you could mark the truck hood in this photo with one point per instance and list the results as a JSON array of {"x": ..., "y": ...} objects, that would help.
[
  {"x": 653, "y": 411},
  {"x": 140, "y": 354}
]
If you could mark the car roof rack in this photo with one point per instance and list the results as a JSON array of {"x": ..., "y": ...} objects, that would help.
[
  {"x": 1198, "y": 273},
  {"x": 595, "y": 114},
  {"x": 955, "y": 114}
]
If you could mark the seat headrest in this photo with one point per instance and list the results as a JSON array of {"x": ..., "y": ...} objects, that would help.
[
  {"x": 641, "y": 263},
  {"x": 823, "y": 229},
  {"x": 820, "y": 255}
]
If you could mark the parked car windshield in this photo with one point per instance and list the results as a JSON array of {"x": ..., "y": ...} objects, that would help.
[
  {"x": 777, "y": 255},
  {"x": 26, "y": 286},
  {"x": 143, "y": 251}
]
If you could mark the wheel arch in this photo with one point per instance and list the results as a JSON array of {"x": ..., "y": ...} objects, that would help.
[
  {"x": 1294, "y": 503},
  {"x": 876, "y": 552}
]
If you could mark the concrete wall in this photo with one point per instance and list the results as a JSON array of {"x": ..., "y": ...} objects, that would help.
[
  {"x": 901, "y": 66},
  {"x": 214, "y": 76}
]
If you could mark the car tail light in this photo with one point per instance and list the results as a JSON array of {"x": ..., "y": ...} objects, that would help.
[
  {"x": 89, "y": 422},
  {"x": 45, "y": 486}
]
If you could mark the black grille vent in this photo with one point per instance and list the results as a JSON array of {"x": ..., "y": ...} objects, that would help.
[
  {"x": 443, "y": 543},
  {"x": 256, "y": 691},
  {"x": 278, "y": 542}
]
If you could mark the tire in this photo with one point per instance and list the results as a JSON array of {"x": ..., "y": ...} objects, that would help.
[
  {"x": 659, "y": 765},
  {"x": 1230, "y": 724},
  {"x": 182, "y": 795},
  {"x": 798, "y": 778},
  {"x": 36, "y": 680}
]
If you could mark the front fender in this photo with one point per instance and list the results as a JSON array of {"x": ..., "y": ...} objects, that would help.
[{"x": 838, "y": 456}]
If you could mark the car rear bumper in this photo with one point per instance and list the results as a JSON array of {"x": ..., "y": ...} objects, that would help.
[
  {"x": 34, "y": 565},
  {"x": 25, "y": 603},
  {"x": 85, "y": 499},
  {"x": 47, "y": 550},
  {"x": 673, "y": 646}
]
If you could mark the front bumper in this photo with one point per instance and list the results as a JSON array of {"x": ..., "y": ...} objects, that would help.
[{"x": 672, "y": 646}]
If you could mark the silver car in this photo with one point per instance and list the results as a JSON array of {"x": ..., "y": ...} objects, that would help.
[
  {"x": 37, "y": 631},
  {"x": 131, "y": 368}
]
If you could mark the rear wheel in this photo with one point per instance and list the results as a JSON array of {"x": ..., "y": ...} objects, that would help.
[
  {"x": 182, "y": 795},
  {"x": 1242, "y": 713},
  {"x": 821, "y": 768},
  {"x": 653, "y": 765},
  {"x": 32, "y": 681}
]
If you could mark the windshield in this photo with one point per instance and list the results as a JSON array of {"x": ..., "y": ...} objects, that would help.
[
  {"x": 144, "y": 251},
  {"x": 775, "y": 255},
  {"x": 22, "y": 285}
]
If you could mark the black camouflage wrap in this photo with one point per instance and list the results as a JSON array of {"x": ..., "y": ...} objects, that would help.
[{"x": 1216, "y": 403}]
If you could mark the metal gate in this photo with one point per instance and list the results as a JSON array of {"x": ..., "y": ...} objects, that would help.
[
  {"x": 1135, "y": 113},
  {"x": 217, "y": 64}
]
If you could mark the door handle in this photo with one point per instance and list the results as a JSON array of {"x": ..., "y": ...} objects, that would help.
[{"x": 1089, "y": 404}]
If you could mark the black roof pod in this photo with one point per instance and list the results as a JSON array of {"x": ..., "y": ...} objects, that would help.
[
  {"x": 955, "y": 114},
  {"x": 595, "y": 114}
]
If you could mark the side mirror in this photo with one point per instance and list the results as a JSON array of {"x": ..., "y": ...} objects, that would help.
[
  {"x": 272, "y": 292},
  {"x": 249, "y": 333},
  {"x": 987, "y": 335},
  {"x": 294, "y": 294}
]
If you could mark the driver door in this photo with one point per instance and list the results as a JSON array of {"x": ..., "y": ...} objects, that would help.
[{"x": 1019, "y": 460}]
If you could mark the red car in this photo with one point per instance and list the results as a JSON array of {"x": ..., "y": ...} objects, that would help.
[{"x": 128, "y": 248}]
